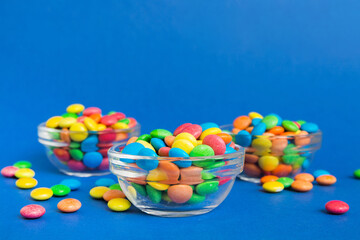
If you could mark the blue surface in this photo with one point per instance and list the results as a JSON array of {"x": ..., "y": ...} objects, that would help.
[{"x": 170, "y": 62}]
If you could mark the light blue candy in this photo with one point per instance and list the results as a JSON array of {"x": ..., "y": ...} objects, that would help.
[
  {"x": 208, "y": 125},
  {"x": 320, "y": 172},
  {"x": 89, "y": 144},
  {"x": 310, "y": 127},
  {"x": 72, "y": 183},
  {"x": 132, "y": 149},
  {"x": 177, "y": 152},
  {"x": 259, "y": 129},
  {"x": 243, "y": 138},
  {"x": 106, "y": 182},
  {"x": 256, "y": 121},
  {"x": 306, "y": 163},
  {"x": 229, "y": 150},
  {"x": 92, "y": 159},
  {"x": 157, "y": 143},
  {"x": 278, "y": 117},
  {"x": 147, "y": 164}
]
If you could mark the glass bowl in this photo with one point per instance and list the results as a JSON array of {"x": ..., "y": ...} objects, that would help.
[
  {"x": 86, "y": 158},
  {"x": 282, "y": 156},
  {"x": 170, "y": 191}
]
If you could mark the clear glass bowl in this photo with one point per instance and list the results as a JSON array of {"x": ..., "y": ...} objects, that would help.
[
  {"x": 207, "y": 186},
  {"x": 293, "y": 153},
  {"x": 68, "y": 155}
]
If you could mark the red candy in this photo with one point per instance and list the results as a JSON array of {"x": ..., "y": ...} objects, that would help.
[
  {"x": 76, "y": 165},
  {"x": 132, "y": 122},
  {"x": 181, "y": 128},
  {"x": 194, "y": 130},
  {"x": 216, "y": 143},
  {"x": 32, "y": 211},
  {"x": 164, "y": 151},
  {"x": 108, "y": 135},
  {"x": 91, "y": 110},
  {"x": 9, "y": 171},
  {"x": 81, "y": 119},
  {"x": 104, "y": 164},
  {"x": 62, "y": 154},
  {"x": 337, "y": 207},
  {"x": 103, "y": 151},
  {"x": 118, "y": 115},
  {"x": 109, "y": 120}
]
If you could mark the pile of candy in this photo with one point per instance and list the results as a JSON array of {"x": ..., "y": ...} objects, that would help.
[
  {"x": 179, "y": 181},
  {"x": 87, "y": 135},
  {"x": 273, "y": 145}
]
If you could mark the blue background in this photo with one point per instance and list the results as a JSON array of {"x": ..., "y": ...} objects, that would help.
[{"x": 170, "y": 62}]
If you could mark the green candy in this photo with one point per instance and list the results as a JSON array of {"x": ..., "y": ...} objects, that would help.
[
  {"x": 125, "y": 120},
  {"x": 357, "y": 173},
  {"x": 111, "y": 113},
  {"x": 301, "y": 122},
  {"x": 290, "y": 158},
  {"x": 73, "y": 115},
  {"x": 216, "y": 165},
  {"x": 286, "y": 181},
  {"x": 160, "y": 133},
  {"x": 139, "y": 188},
  {"x": 290, "y": 149},
  {"x": 196, "y": 198},
  {"x": 207, "y": 187},
  {"x": 270, "y": 121},
  {"x": 202, "y": 151},
  {"x": 153, "y": 194},
  {"x": 55, "y": 135},
  {"x": 60, "y": 190},
  {"x": 290, "y": 126},
  {"x": 23, "y": 164},
  {"x": 165, "y": 197},
  {"x": 76, "y": 154},
  {"x": 144, "y": 137},
  {"x": 115, "y": 186},
  {"x": 207, "y": 176},
  {"x": 74, "y": 145}
]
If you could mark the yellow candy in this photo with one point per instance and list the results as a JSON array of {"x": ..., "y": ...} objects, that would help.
[
  {"x": 199, "y": 142},
  {"x": 183, "y": 144},
  {"x": 120, "y": 125},
  {"x": 41, "y": 193},
  {"x": 146, "y": 144},
  {"x": 298, "y": 132},
  {"x": 67, "y": 122},
  {"x": 273, "y": 187},
  {"x": 268, "y": 163},
  {"x": 24, "y": 172},
  {"x": 261, "y": 143},
  {"x": 90, "y": 124},
  {"x": 159, "y": 186},
  {"x": 75, "y": 108},
  {"x": 253, "y": 115},
  {"x": 187, "y": 136},
  {"x": 98, "y": 192},
  {"x": 26, "y": 182},
  {"x": 132, "y": 191},
  {"x": 156, "y": 175},
  {"x": 101, "y": 127},
  {"x": 119, "y": 204},
  {"x": 210, "y": 131},
  {"x": 53, "y": 122},
  {"x": 78, "y": 132}
]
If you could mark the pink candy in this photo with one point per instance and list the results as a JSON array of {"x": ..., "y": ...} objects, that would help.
[
  {"x": 76, "y": 165},
  {"x": 216, "y": 143},
  {"x": 9, "y": 171},
  {"x": 181, "y": 128},
  {"x": 91, "y": 110},
  {"x": 194, "y": 130},
  {"x": 32, "y": 211}
]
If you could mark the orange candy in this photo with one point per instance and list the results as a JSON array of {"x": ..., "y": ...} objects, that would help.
[
  {"x": 191, "y": 175},
  {"x": 169, "y": 140},
  {"x": 226, "y": 137},
  {"x": 242, "y": 122},
  {"x": 326, "y": 180},
  {"x": 131, "y": 140},
  {"x": 282, "y": 170},
  {"x": 251, "y": 158},
  {"x": 249, "y": 129},
  {"x": 65, "y": 135},
  {"x": 235, "y": 130},
  {"x": 278, "y": 146},
  {"x": 69, "y": 205},
  {"x": 111, "y": 194},
  {"x": 277, "y": 130},
  {"x": 307, "y": 177},
  {"x": 268, "y": 178},
  {"x": 180, "y": 193},
  {"x": 96, "y": 117},
  {"x": 301, "y": 186},
  {"x": 172, "y": 171},
  {"x": 301, "y": 139}
]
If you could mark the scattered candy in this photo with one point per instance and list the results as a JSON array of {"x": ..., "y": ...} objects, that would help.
[
  {"x": 113, "y": 194},
  {"x": 286, "y": 181},
  {"x": 307, "y": 177},
  {"x": 24, "y": 172},
  {"x": 301, "y": 186},
  {"x": 115, "y": 186},
  {"x": 9, "y": 171},
  {"x": 26, "y": 183},
  {"x": 32, "y": 211},
  {"x": 326, "y": 180},
  {"x": 98, "y": 192},
  {"x": 119, "y": 204},
  {"x": 69, "y": 205},
  {"x": 337, "y": 207},
  {"x": 41, "y": 193},
  {"x": 319, "y": 173},
  {"x": 268, "y": 178},
  {"x": 106, "y": 182},
  {"x": 273, "y": 186},
  {"x": 60, "y": 190},
  {"x": 23, "y": 164},
  {"x": 73, "y": 184}
]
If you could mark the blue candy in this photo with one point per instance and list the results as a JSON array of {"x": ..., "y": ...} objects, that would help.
[
  {"x": 229, "y": 150},
  {"x": 320, "y": 172},
  {"x": 92, "y": 159},
  {"x": 278, "y": 117},
  {"x": 256, "y": 121},
  {"x": 243, "y": 138},
  {"x": 177, "y": 152},
  {"x": 157, "y": 143},
  {"x": 310, "y": 127},
  {"x": 147, "y": 164},
  {"x": 132, "y": 149},
  {"x": 208, "y": 125},
  {"x": 259, "y": 129},
  {"x": 306, "y": 164},
  {"x": 72, "y": 183},
  {"x": 106, "y": 182},
  {"x": 89, "y": 144}
]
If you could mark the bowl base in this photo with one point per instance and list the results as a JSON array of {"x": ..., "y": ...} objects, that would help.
[
  {"x": 249, "y": 179},
  {"x": 163, "y": 213},
  {"x": 84, "y": 174}
]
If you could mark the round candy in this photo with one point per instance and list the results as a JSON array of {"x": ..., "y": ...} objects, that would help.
[
  {"x": 26, "y": 183},
  {"x": 106, "y": 182},
  {"x": 326, "y": 180},
  {"x": 75, "y": 108},
  {"x": 157, "y": 143},
  {"x": 60, "y": 190},
  {"x": 145, "y": 137},
  {"x": 76, "y": 165},
  {"x": 53, "y": 122},
  {"x": 72, "y": 183},
  {"x": 242, "y": 122},
  {"x": 186, "y": 136},
  {"x": 115, "y": 186},
  {"x": 268, "y": 178},
  {"x": 243, "y": 138},
  {"x": 119, "y": 204},
  {"x": 320, "y": 172},
  {"x": 41, "y": 193},
  {"x": 9, "y": 171},
  {"x": 337, "y": 207},
  {"x": 90, "y": 124},
  {"x": 183, "y": 144},
  {"x": 201, "y": 151},
  {"x": 91, "y": 110},
  {"x": 180, "y": 193},
  {"x": 273, "y": 187},
  {"x": 32, "y": 211},
  {"x": 208, "y": 125},
  {"x": 78, "y": 132},
  {"x": 23, "y": 164},
  {"x": 357, "y": 173},
  {"x": 207, "y": 187},
  {"x": 259, "y": 129},
  {"x": 98, "y": 192},
  {"x": 132, "y": 149},
  {"x": 286, "y": 181},
  {"x": 177, "y": 152},
  {"x": 160, "y": 133},
  {"x": 194, "y": 129},
  {"x": 159, "y": 186},
  {"x": 209, "y": 132},
  {"x": 111, "y": 194},
  {"x": 268, "y": 163},
  {"x": 290, "y": 126},
  {"x": 67, "y": 122},
  {"x": 76, "y": 154},
  {"x": 72, "y": 115},
  {"x": 270, "y": 121},
  {"x": 154, "y": 195},
  {"x": 253, "y": 115},
  {"x": 307, "y": 177},
  {"x": 216, "y": 143},
  {"x": 309, "y": 127},
  {"x": 24, "y": 172},
  {"x": 147, "y": 164},
  {"x": 92, "y": 159},
  {"x": 301, "y": 186},
  {"x": 69, "y": 205},
  {"x": 179, "y": 129},
  {"x": 62, "y": 154}
]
